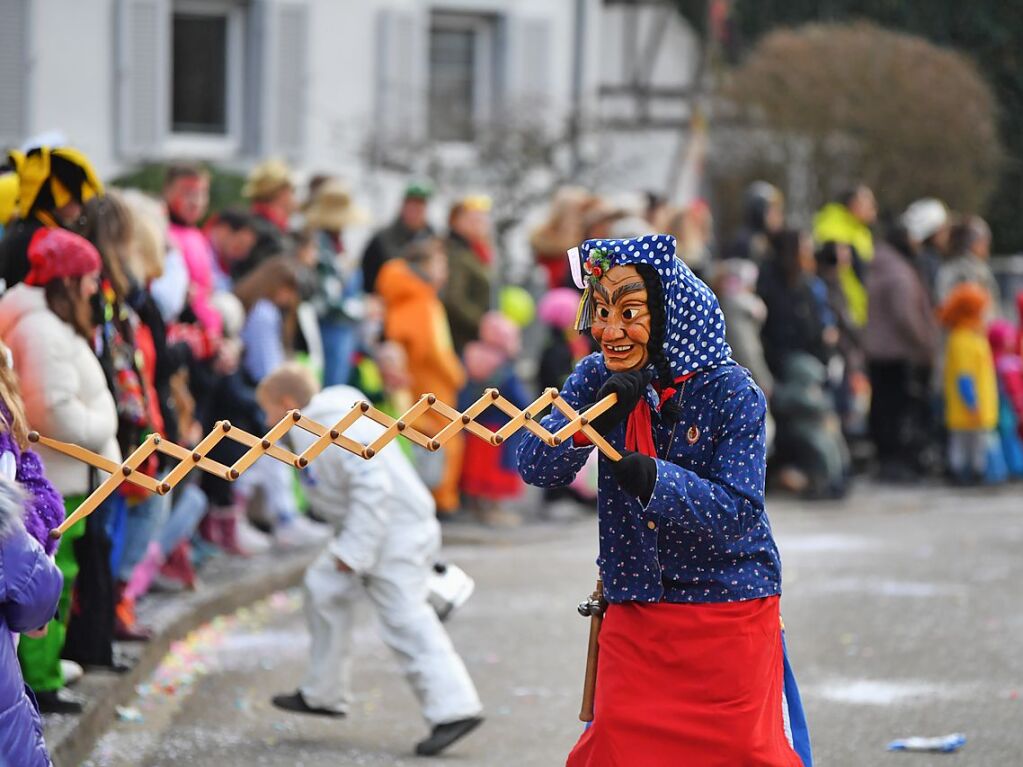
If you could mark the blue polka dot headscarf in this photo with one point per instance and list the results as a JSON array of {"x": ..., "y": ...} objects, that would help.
[{"x": 694, "y": 333}]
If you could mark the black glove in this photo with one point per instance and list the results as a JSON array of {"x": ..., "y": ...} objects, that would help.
[
  {"x": 629, "y": 387},
  {"x": 637, "y": 474}
]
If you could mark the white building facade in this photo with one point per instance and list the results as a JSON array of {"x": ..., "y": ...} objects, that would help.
[{"x": 318, "y": 81}]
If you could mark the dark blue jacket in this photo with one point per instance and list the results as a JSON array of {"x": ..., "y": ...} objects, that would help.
[
  {"x": 711, "y": 540},
  {"x": 704, "y": 535}
]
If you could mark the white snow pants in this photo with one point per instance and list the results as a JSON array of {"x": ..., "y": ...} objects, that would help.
[{"x": 397, "y": 588}]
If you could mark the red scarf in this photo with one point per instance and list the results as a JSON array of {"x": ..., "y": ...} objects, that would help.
[
  {"x": 639, "y": 430},
  {"x": 268, "y": 212},
  {"x": 482, "y": 251}
]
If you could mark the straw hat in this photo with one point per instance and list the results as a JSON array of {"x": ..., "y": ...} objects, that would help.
[
  {"x": 267, "y": 179},
  {"x": 331, "y": 208}
]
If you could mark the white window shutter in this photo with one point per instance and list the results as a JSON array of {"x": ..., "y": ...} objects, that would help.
[
  {"x": 286, "y": 81},
  {"x": 14, "y": 60},
  {"x": 528, "y": 65},
  {"x": 401, "y": 74},
  {"x": 143, "y": 80}
]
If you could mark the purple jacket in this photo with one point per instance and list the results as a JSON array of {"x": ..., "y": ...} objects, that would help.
[
  {"x": 30, "y": 585},
  {"x": 44, "y": 508}
]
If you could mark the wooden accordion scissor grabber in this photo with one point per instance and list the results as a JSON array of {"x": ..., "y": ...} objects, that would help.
[{"x": 197, "y": 458}]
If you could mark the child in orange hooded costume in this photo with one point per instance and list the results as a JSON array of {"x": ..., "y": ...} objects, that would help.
[
  {"x": 414, "y": 318},
  {"x": 971, "y": 384}
]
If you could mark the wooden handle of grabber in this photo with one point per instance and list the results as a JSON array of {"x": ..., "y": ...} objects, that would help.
[{"x": 590, "y": 679}]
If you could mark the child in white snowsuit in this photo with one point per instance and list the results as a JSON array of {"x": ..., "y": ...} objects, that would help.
[{"x": 386, "y": 542}]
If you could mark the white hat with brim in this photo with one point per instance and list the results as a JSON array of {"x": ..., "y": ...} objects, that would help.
[{"x": 332, "y": 208}]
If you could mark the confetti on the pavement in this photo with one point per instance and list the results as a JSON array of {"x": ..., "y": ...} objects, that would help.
[{"x": 194, "y": 656}]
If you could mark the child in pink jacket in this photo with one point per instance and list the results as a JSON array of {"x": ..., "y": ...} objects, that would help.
[{"x": 187, "y": 194}]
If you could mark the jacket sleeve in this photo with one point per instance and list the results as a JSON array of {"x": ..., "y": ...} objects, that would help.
[
  {"x": 170, "y": 289},
  {"x": 465, "y": 310},
  {"x": 264, "y": 349},
  {"x": 50, "y": 372},
  {"x": 515, "y": 392},
  {"x": 424, "y": 340},
  {"x": 33, "y": 583},
  {"x": 744, "y": 338},
  {"x": 368, "y": 515},
  {"x": 910, "y": 322},
  {"x": 967, "y": 387},
  {"x": 169, "y": 357},
  {"x": 546, "y": 466},
  {"x": 45, "y": 507},
  {"x": 729, "y": 499},
  {"x": 372, "y": 259}
]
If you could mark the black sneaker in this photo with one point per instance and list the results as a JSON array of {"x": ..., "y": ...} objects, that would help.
[
  {"x": 444, "y": 735},
  {"x": 61, "y": 701},
  {"x": 296, "y": 704}
]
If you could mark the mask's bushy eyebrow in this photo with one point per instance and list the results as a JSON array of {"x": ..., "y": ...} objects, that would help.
[
  {"x": 602, "y": 292},
  {"x": 632, "y": 287}
]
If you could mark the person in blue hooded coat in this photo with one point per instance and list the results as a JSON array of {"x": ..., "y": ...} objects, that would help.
[
  {"x": 691, "y": 667},
  {"x": 30, "y": 585}
]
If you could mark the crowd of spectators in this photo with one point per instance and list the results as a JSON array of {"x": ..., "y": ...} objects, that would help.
[{"x": 124, "y": 314}]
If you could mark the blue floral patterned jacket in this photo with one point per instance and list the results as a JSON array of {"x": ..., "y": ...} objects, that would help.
[{"x": 704, "y": 535}]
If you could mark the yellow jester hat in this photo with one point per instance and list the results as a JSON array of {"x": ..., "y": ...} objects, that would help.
[{"x": 50, "y": 178}]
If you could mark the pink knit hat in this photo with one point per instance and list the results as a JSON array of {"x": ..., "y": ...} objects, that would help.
[{"x": 558, "y": 308}]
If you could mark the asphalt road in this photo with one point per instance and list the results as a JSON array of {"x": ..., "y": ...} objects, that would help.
[{"x": 902, "y": 610}]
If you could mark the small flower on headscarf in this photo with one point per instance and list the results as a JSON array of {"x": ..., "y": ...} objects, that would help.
[{"x": 598, "y": 263}]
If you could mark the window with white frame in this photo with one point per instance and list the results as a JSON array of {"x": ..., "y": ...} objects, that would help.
[
  {"x": 461, "y": 86},
  {"x": 188, "y": 83},
  {"x": 199, "y": 73},
  {"x": 206, "y": 78}
]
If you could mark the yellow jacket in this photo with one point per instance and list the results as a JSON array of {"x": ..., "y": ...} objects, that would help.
[
  {"x": 834, "y": 223},
  {"x": 968, "y": 356}
]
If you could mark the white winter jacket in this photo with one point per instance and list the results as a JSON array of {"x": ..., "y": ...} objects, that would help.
[
  {"x": 380, "y": 508},
  {"x": 62, "y": 385}
]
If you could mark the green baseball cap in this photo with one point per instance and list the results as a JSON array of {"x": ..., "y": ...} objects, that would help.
[{"x": 421, "y": 190}]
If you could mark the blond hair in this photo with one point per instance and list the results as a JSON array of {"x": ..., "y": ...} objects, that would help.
[
  {"x": 10, "y": 396},
  {"x": 145, "y": 259},
  {"x": 292, "y": 379}
]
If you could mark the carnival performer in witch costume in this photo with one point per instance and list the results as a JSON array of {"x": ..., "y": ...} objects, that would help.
[{"x": 692, "y": 666}]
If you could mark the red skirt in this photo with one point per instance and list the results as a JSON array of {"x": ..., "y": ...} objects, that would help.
[
  {"x": 483, "y": 475},
  {"x": 682, "y": 685}
]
